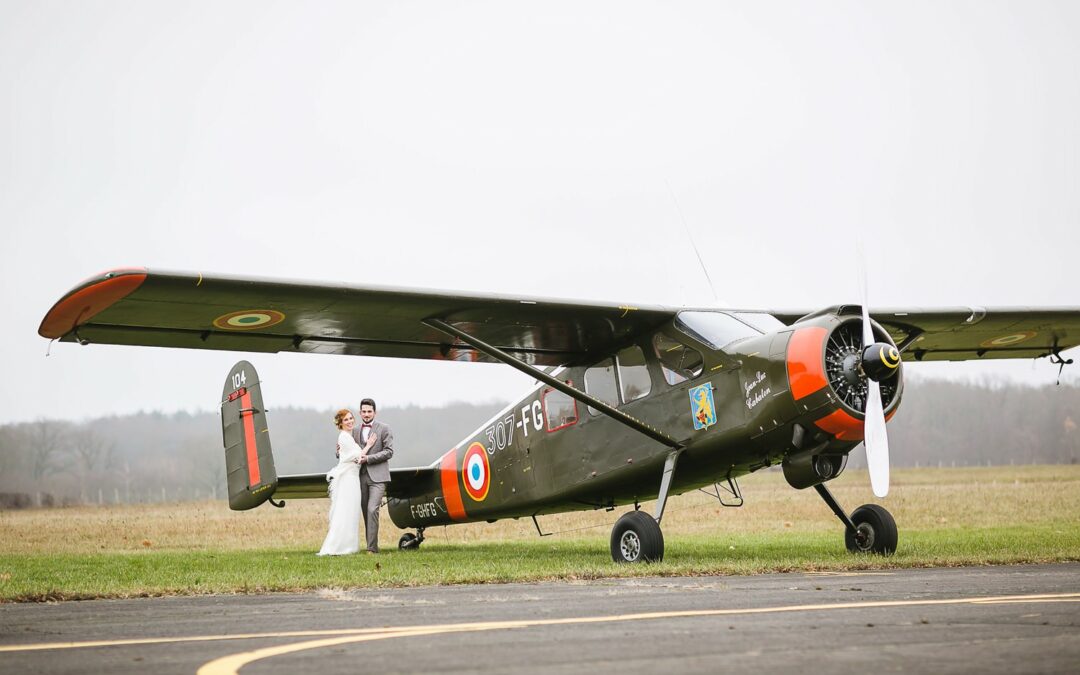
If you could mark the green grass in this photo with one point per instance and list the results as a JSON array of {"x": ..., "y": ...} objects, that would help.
[
  {"x": 43, "y": 577},
  {"x": 946, "y": 517}
]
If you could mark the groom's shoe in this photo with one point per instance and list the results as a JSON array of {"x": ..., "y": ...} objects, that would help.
[{"x": 370, "y": 552}]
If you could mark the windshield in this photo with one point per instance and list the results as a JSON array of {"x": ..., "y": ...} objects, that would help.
[
  {"x": 766, "y": 323},
  {"x": 715, "y": 329}
]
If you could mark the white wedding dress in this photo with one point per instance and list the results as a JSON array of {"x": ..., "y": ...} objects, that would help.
[{"x": 343, "y": 537}]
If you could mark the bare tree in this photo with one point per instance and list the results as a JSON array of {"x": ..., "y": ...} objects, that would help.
[
  {"x": 91, "y": 450},
  {"x": 12, "y": 449},
  {"x": 206, "y": 463},
  {"x": 46, "y": 441}
]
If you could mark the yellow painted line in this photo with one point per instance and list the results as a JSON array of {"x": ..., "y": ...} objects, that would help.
[
  {"x": 191, "y": 638},
  {"x": 234, "y": 662},
  {"x": 1019, "y": 602},
  {"x": 354, "y": 633},
  {"x": 230, "y": 665}
]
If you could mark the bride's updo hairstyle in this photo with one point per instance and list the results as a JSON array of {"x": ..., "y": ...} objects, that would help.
[{"x": 340, "y": 416}]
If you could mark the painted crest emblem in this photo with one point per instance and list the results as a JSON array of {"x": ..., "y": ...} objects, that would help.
[
  {"x": 702, "y": 407},
  {"x": 476, "y": 472}
]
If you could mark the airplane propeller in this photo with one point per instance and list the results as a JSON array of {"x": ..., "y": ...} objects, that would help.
[{"x": 880, "y": 361}]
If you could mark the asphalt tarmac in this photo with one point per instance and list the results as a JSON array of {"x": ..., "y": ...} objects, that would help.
[{"x": 1023, "y": 619}]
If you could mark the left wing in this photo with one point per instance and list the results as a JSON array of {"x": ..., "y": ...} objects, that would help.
[
  {"x": 967, "y": 333},
  {"x": 182, "y": 309}
]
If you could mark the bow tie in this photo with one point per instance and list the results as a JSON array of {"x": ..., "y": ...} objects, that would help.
[{"x": 365, "y": 426}]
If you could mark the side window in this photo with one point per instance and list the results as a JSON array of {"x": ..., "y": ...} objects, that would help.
[
  {"x": 679, "y": 362},
  {"x": 600, "y": 382},
  {"x": 634, "y": 381},
  {"x": 559, "y": 410}
]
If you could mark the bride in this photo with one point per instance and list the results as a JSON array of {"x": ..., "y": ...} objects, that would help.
[{"x": 344, "y": 534}]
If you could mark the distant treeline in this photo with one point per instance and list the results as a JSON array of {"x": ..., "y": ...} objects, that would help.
[
  {"x": 942, "y": 423},
  {"x": 163, "y": 457},
  {"x": 153, "y": 457}
]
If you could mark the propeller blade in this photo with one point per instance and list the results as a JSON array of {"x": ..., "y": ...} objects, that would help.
[
  {"x": 877, "y": 441},
  {"x": 875, "y": 438}
]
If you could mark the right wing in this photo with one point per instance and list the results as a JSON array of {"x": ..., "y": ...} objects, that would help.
[{"x": 971, "y": 333}]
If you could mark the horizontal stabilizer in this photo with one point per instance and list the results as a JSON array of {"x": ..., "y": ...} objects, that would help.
[{"x": 403, "y": 483}]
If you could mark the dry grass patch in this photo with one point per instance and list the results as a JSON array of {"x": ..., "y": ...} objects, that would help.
[
  {"x": 946, "y": 517},
  {"x": 920, "y": 499}
]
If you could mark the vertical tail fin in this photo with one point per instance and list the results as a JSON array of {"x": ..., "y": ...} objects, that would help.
[{"x": 249, "y": 463}]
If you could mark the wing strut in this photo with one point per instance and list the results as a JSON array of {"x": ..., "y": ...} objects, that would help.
[
  {"x": 665, "y": 483},
  {"x": 532, "y": 371}
]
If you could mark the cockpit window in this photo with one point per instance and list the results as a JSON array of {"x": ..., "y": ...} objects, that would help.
[
  {"x": 634, "y": 379},
  {"x": 679, "y": 362},
  {"x": 600, "y": 382},
  {"x": 715, "y": 329},
  {"x": 559, "y": 409}
]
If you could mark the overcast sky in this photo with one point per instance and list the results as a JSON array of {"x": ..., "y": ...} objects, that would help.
[{"x": 535, "y": 148}]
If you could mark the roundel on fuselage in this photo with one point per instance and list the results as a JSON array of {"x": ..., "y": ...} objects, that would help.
[{"x": 476, "y": 472}]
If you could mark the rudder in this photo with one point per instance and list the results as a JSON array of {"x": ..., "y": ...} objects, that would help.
[{"x": 249, "y": 462}]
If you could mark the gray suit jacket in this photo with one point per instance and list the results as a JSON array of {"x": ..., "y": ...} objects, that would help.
[{"x": 377, "y": 464}]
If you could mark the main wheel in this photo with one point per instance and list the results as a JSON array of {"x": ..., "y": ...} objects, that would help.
[
  {"x": 408, "y": 542},
  {"x": 636, "y": 537},
  {"x": 875, "y": 531}
]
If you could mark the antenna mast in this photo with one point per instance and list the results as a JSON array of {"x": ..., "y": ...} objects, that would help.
[{"x": 693, "y": 244}]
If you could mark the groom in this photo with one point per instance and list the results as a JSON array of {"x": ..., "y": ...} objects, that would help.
[{"x": 374, "y": 469}]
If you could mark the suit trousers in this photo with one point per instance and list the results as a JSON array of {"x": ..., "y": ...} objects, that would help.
[{"x": 371, "y": 496}]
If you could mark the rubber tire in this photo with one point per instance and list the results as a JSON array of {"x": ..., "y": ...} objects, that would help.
[
  {"x": 408, "y": 542},
  {"x": 640, "y": 527},
  {"x": 882, "y": 526}
]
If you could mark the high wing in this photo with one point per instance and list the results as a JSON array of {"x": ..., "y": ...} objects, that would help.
[
  {"x": 972, "y": 333},
  {"x": 403, "y": 484},
  {"x": 183, "y": 309}
]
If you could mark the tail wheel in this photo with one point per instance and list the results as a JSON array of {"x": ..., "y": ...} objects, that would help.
[
  {"x": 636, "y": 537},
  {"x": 408, "y": 542},
  {"x": 875, "y": 531}
]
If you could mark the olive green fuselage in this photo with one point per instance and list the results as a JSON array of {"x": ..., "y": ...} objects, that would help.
[{"x": 547, "y": 454}]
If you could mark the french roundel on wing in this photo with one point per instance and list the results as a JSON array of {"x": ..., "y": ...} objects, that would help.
[
  {"x": 249, "y": 319},
  {"x": 476, "y": 472}
]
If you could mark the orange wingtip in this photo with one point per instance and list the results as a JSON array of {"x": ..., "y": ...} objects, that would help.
[{"x": 89, "y": 299}]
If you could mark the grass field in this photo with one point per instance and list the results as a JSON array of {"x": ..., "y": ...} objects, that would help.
[{"x": 999, "y": 515}]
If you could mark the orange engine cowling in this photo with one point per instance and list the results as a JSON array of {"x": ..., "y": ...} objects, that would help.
[{"x": 826, "y": 378}]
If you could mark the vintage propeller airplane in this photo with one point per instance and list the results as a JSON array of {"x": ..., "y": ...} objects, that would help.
[{"x": 633, "y": 403}]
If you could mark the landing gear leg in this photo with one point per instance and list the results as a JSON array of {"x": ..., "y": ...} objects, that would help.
[
  {"x": 410, "y": 541},
  {"x": 869, "y": 529},
  {"x": 636, "y": 536}
]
